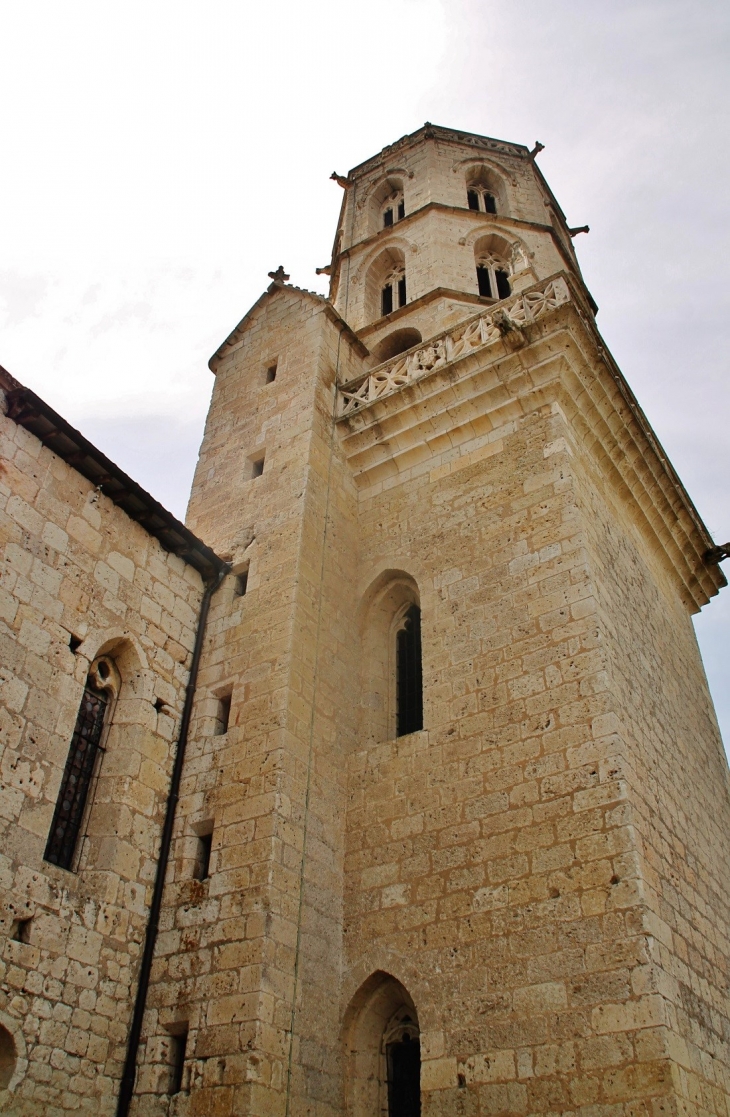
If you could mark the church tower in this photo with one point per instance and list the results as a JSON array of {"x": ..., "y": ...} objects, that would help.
[{"x": 453, "y": 827}]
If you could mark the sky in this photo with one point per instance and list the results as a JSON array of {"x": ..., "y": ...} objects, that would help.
[{"x": 160, "y": 158}]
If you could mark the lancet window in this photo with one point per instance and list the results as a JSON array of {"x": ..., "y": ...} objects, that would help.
[
  {"x": 393, "y": 293},
  {"x": 480, "y": 199},
  {"x": 394, "y": 209},
  {"x": 409, "y": 673},
  {"x": 87, "y": 743},
  {"x": 493, "y": 277}
]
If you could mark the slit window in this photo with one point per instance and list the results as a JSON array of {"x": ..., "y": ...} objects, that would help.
[
  {"x": 404, "y": 1077},
  {"x": 77, "y": 776},
  {"x": 178, "y": 1048},
  {"x": 409, "y": 674},
  {"x": 270, "y": 374},
  {"x": 202, "y": 859},
  {"x": 224, "y": 714},
  {"x": 241, "y": 584},
  {"x": 386, "y": 299},
  {"x": 257, "y": 467},
  {"x": 401, "y": 209}
]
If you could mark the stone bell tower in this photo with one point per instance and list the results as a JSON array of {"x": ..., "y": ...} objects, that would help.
[{"x": 455, "y": 757}]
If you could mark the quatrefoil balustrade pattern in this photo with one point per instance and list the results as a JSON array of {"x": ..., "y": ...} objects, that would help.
[{"x": 475, "y": 333}]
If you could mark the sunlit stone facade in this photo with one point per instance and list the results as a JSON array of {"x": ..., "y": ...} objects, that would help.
[{"x": 433, "y": 487}]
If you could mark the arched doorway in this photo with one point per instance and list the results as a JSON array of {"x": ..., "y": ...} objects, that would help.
[{"x": 382, "y": 1051}]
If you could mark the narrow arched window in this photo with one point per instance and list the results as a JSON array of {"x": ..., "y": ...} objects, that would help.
[
  {"x": 81, "y": 763},
  {"x": 409, "y": 674},
  {"x": 493, "y": 278},
  {"x": 394, "y": 209},
  {"x": 393, "y": 294}
]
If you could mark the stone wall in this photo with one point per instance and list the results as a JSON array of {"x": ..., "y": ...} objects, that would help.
[
  {"x": 76, "y": 568},
  {"x": 249, "y": 959}
]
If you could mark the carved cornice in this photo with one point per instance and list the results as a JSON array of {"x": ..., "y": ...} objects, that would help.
[{"x": 468, "y": 386}]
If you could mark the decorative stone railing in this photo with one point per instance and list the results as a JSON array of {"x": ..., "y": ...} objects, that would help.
[{"x": 467, "y": 337}]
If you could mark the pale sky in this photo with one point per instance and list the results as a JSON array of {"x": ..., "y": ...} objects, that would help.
[{"x": 159, "y": 158}]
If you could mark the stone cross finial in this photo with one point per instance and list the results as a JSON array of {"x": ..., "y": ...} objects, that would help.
[{"x": 279, "y": 276}]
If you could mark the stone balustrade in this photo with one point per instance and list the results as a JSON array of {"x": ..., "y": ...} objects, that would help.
[{"x": 475, "y": 333}]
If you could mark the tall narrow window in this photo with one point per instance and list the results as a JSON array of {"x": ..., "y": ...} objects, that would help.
[
  {"x": 78, "y": 773},
  {"x": 409, "y": 676},
  {"x": 503, "y": 287},
  {"x": 472, "y": 197},
  {"x": 490, "y": 204},
  {"x": 393, "y": 293},
  {"x": 224, "y": 714},
  {"x": 404, "y": 1077},
  {"x": 202, "y": 860},
  {"x": 485, "y": 287},
  {"x": 393, "y": 209}
]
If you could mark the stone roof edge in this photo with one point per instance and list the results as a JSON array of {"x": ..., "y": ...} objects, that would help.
[
  {"x": 440, "y": 132},
  {"x": 28, "y": 410},
  {"x": 237, "y": 334}
]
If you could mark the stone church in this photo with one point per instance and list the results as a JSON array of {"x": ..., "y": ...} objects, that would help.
[{"x": 389, "y": 784}]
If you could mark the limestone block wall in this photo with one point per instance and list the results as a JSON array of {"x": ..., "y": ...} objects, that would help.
[
  {"x": 532, "y": 867},
  {"x": 481, "y": 851},
  {"x": 249, "y": 959},
  {"x": 75, "y": 566},
  {"x": 677, "y": 779}
]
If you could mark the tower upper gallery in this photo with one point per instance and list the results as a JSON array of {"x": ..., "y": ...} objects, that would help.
[{"x": 436, "y": 222}]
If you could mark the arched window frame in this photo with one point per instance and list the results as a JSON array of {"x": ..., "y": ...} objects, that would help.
[
  {"x": 393, "y": 294},
  {"x": 493, "y": 276},
  {"x": 83, "y": 764},
  {"x": 481, "y": 199},
  {"x": 393, "y": 209}
]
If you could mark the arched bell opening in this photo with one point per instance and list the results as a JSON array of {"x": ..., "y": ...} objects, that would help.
[{"x": 396, "y": 343}]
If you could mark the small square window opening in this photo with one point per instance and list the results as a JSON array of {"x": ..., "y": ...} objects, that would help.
[
  {"x": 224, "y": 714},
  {"x": 178, "y": 1045},
  {"x": 202, "y": 859},
  {"x": 21, "y": 931}
]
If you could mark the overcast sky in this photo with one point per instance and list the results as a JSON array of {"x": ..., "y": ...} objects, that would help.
[{"x": 159, "y": 158}]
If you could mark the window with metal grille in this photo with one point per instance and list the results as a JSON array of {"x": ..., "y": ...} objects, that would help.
[
  {"x": 404, "y": 1077},
  {"x": 77, "y": 776},
  {"x": 409, "y": 676}
]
